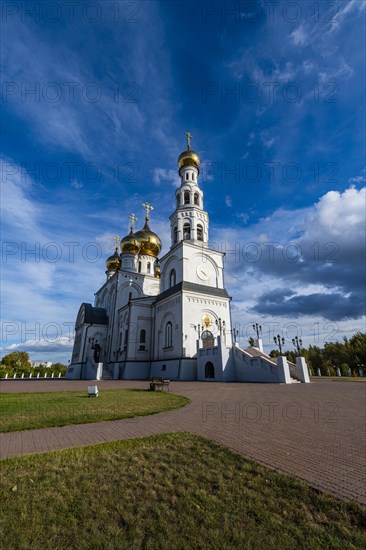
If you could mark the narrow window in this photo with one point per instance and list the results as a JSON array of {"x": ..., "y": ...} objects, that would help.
[
  {"x": 193, "y": 176},
  {"x": 187, "y": 175},
  {"x": 172, "y": 278},
  {"x": 186, "y": 197},
  {"x": 175, "y": 234},
  {"x": 142, "y": 340},
  {"x": 196, "y": 199},
  {"x": 199, "y": 233},
  {"x": 186, "y": 231},
  {"x": 139, "y": 267},
  {"x": 168, "y": 335},
  {"x": 178, "y": 201},
  {"x": 148, "y": 267}
]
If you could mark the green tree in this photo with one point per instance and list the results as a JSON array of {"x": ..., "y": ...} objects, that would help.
[
  {"x": 17, "y": 360},
  {"x": 58, "y": 368}
]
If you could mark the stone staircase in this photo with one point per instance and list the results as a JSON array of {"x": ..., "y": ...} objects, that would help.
[
  {"x": 106, "y": 375},
  {"x": 256, "y": 353}
]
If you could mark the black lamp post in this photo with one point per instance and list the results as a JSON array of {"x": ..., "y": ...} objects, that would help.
[
  {"x": 235, "y": 333},
  {"x": 297, "y": 342},
  {"x": 198, "y": 329},
  {"x": 220, "y": 324},
  {"x": 258, "y": 330},
  {"x": 279, "y": 341}
]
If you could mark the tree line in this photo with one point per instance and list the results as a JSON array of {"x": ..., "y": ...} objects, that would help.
[
  {"x": 18, "y": 363},
  {"x": 348, "y": 356}
]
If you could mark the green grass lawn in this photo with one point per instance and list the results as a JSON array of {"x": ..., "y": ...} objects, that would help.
[
  {"x": 24, "y": 411},
  {"x": 173, "y": 491}
]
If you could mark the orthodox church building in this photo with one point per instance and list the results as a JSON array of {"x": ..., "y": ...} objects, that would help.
[{"x": 169, "y": 315}]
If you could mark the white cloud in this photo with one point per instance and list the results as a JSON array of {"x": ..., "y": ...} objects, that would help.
[
  {"x": 299, "y": 36},
  {"x": 328, "y": 242},
  {"x": 163, "y": 174},
  {"x": 340, "y": 215},
  {"x": 358, "y": 179},
  {"x": 267, "y": 138},
  {"x": 76, "y": 184}
]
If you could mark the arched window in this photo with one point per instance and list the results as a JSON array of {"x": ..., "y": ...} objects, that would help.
[
  {"x": 148, "y": 267},
  {"x": 207, "y": 338},
  {"x": 175, "y": 234},
  {"x": 209, "y": 370},
  {"x": 172, "y": 278},
  {"x": 196, "y": 198},
  {"x": 187, "y": 175},
  {"x": 97, "y": 352},
  {"x": 187, "y": 199},
  {"x": 199, "y": 232},
  {"x": 178, "y": 200},
  {"x": 186, "y": 231},
  {"x": 193, "y": 176},
  {"x": 168, "y": 335}
]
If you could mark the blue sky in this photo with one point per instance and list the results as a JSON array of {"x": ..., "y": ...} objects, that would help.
[{"x": 96, "y": 98}]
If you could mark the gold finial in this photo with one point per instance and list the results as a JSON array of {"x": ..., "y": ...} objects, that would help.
[
  {"x": 133, "y": 220},
  {"x": 189, "y": 137},
  {"x": 117, "y": 239},
  {"x": 148, "y": 208}
]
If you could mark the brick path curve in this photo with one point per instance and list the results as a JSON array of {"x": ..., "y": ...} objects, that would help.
[{"x": 315, "y": 432}]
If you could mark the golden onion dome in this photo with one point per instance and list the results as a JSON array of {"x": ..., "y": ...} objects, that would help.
[
  {"x": 150, "y": 242},
  {"x": 189, "y": 158},
  {"x": 130, "y": 244},
  {"x": 114, "y": 262}
]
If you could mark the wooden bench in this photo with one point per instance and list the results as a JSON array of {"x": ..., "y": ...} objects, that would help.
[{"x": 159, "y": 383}]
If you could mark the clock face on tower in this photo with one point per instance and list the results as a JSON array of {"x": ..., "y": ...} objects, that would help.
[{"x": 203, "y": 272}]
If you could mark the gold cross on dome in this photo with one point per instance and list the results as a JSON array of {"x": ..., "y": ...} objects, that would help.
[
  {"x": 117, "y": 239},
  {"x": 189, "y": 137},
  {"x": 133, "y": 220},
  {"x": 148, "y": 208}
]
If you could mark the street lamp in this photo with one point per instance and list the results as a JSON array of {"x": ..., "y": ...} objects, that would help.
[
  {"x": 279, "y": 341},
  {"x": 220, "y": 324},
  {"x": 258, "y": 330},
  {"x": 234, "y": 333},
  {"x": 198, "y": 329},
  {"x": 297, "y": 342}
]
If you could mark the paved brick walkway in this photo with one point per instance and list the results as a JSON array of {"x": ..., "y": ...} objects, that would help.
[{"x": 315, "y": 432}]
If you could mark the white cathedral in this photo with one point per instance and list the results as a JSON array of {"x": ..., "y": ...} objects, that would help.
[{"x": 169, "y": 316}]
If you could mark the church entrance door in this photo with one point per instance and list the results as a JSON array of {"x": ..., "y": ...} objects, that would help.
[{"x": 209, "y": 370}]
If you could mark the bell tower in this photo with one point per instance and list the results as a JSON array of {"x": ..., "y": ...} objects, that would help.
[{"x": 189, "y": 222}]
